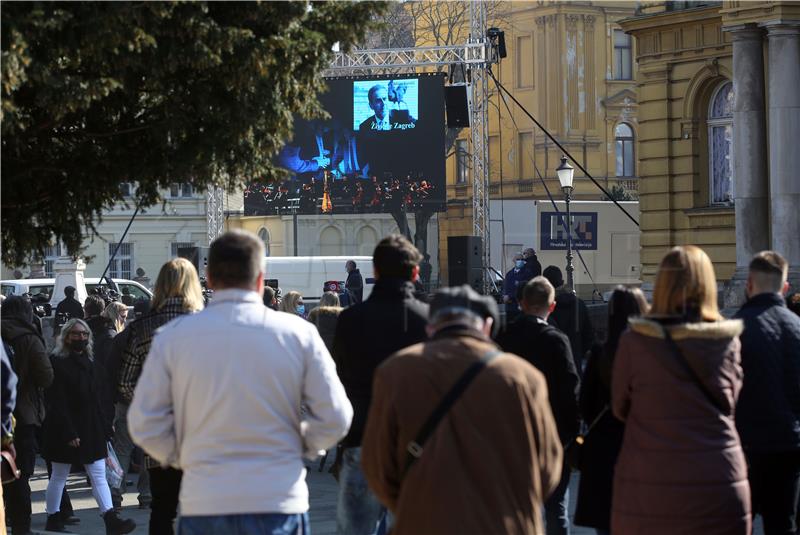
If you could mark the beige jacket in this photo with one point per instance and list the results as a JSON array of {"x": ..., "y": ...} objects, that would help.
[{"x": 492, "y": 460}]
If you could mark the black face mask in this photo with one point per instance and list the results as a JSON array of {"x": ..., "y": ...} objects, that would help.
[{"x": 79, "y": 346}]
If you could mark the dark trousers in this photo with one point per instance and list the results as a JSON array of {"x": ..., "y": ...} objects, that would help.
[
  {"x": 775, "y": 489},
  {"x": 17, "y": 495},
  {"x": 165, "y": 485},
  {"x": 556, "y": 507}
]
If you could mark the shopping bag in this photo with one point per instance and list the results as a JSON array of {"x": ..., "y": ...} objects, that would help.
[{"x": 114, "y": 472}]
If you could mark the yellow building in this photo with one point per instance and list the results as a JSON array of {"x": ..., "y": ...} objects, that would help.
[
  {"x": 571, "y": 66},
  {"x": 718, "y": 123}
]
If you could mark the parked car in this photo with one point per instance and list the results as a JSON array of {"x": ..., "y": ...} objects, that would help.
[{"x": 42, "y": 289}]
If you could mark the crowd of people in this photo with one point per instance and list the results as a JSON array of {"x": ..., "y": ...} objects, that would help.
[{"x": 680, "y": 421}]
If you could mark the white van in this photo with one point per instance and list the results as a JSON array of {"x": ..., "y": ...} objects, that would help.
[
  {"x": 308, "y": 274},
  {"x": 42, "y": 287}
]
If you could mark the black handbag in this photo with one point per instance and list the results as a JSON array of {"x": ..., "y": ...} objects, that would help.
[{"x": 574, "y": 450}]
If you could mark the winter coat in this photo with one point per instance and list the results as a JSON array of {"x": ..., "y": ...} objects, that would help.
[
  {"x": 71, "y": 306},
  {"x": 681, "y": 468},
  {"x": 366, "y": 334},
  {"x": 768, "y": 411},
  {"x": 113, "y": 363},
  {"x": 491, "y": 461},
  {"x": 548, "y": 350},
  {"x": 32, "y": 366},
  {"x": 533, "y": 267},
  {"x": 514, "y": 280},
  {"x": 601, "y": 445},
  {"x": 77, "y": 409},
  {"x": 325, "y": 319},
  {"x": 355, "y": 285},
  {"x": 571, "y": 316}
]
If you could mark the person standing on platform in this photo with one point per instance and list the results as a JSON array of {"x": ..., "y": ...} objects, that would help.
[
  {"x": 354, "y": 283},
  {"x": 515, "y": 279}
]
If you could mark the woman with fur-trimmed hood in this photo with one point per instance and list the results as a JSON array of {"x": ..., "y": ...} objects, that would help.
[{"x": 681, "y": 468}]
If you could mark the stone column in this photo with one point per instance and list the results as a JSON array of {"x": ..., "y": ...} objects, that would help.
[
  {"x": 784, "y": 133},
  {"x": 749, "y": 156},
  {"x": 68, "y": 272}
]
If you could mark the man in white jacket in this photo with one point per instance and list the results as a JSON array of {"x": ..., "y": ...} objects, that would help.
[{"x": 220, "y": 396}]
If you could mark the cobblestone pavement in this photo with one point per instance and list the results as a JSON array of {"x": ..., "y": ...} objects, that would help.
[{"x": 323, "y": 505}]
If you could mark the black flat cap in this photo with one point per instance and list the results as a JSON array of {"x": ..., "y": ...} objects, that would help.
[{"x": 462, "y": 300}]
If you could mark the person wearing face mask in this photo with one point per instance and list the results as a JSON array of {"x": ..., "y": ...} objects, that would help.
[
  {"x": 515, "y": 279},
  {"x": 78, "y": 425},
  {"x": 293, "y": 304}
]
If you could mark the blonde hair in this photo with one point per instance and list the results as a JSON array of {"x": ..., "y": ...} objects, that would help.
[
  {"x": 113, "y": 312},
  {"x": 62, "y": 349},
  {"x": 289, "y": 302},
  {"x": 178, "y": 278},
  {"x": 329, "y": 299},
  {"x": 686, "y": 285}
]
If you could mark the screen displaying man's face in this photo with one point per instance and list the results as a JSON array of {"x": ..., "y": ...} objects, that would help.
[{"x": 378, "y": 102}]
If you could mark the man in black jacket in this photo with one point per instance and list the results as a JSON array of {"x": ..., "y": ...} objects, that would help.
[
  {"x": 768, "y": 410},
  {"x": 571, "y": 317},
  {"x": 69, "y": 305},
  {"x": 354, "y": 283},
  {"x": 366, "y": 334},
  {"x": 548, "y": 349}
]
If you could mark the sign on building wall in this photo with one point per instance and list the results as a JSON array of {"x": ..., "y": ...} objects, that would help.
[{"x": 584, "y": 231}]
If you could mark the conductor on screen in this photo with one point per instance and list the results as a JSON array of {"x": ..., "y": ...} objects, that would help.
[{"x": 383, "y": 117}]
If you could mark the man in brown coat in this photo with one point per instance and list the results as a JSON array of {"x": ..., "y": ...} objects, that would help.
[{"x": 494, "y": 456}]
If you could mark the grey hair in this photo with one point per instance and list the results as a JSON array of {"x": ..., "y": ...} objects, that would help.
[{"x": 62, "y": 349}]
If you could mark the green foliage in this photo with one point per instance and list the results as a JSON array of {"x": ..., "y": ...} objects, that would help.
[
  {"x": 99, "y": 93},
  {"x": 618, "y": 193}
]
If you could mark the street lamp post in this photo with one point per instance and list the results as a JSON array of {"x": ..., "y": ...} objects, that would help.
[{"x": 565, "y": 174}]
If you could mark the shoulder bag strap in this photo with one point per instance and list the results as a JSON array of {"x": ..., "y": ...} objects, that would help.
[
  {"x": 414, "y": 448},
  {"x": 688, "y": 368}
]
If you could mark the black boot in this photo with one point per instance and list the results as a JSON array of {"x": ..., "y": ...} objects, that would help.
[
  {"x": 55, "y": 523},
  {"x": 116, "y": 525},
  {"x": 69, "y": 519}
]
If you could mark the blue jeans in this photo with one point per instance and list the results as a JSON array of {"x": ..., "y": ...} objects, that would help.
[
  {"x": 358, "y": 511},
  {"x": 248, "y": 524},
  {"x": 556, "y": 508}
]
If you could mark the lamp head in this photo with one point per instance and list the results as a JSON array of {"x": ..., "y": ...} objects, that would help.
[{"x": 565, "y": 173}]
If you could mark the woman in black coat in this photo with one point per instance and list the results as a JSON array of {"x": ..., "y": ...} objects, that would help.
[
  {"x": 78, "y": 425},
  {"x": 604, "y": 440}
]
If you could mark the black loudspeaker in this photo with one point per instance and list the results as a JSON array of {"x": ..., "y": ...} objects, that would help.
[
  {"x": 198, "y": 256},
  {"x": 464, "y": 261},
  {"x": 456, "y": 99}
]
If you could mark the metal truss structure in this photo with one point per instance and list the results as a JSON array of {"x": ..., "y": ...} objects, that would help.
[
  {"x": 476, "y": 55},
  {"x": 215, "y": 213}
]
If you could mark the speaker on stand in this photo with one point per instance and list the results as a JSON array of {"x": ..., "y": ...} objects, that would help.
[{"x": 464, "y": 261}]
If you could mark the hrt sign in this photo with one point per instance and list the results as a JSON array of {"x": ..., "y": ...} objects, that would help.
[{"x": 554, "y": 238}]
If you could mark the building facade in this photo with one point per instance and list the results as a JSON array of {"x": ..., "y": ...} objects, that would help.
[
  {"x": 571, "y": 66},
  {"x": 155, "y": 236},
  {"x": 719, "y": 113}
]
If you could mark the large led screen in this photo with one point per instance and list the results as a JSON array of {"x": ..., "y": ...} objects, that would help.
[{"x": 381, "y": 150}]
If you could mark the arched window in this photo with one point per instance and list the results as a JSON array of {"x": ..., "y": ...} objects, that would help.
[
  {"x": 720, "y": 145},
  {"x": 330, "y": 242},
  {"x": 263, "y": 235},
  {"x": 623, "y": 137},
  {"x": 367, "y": 240}
]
